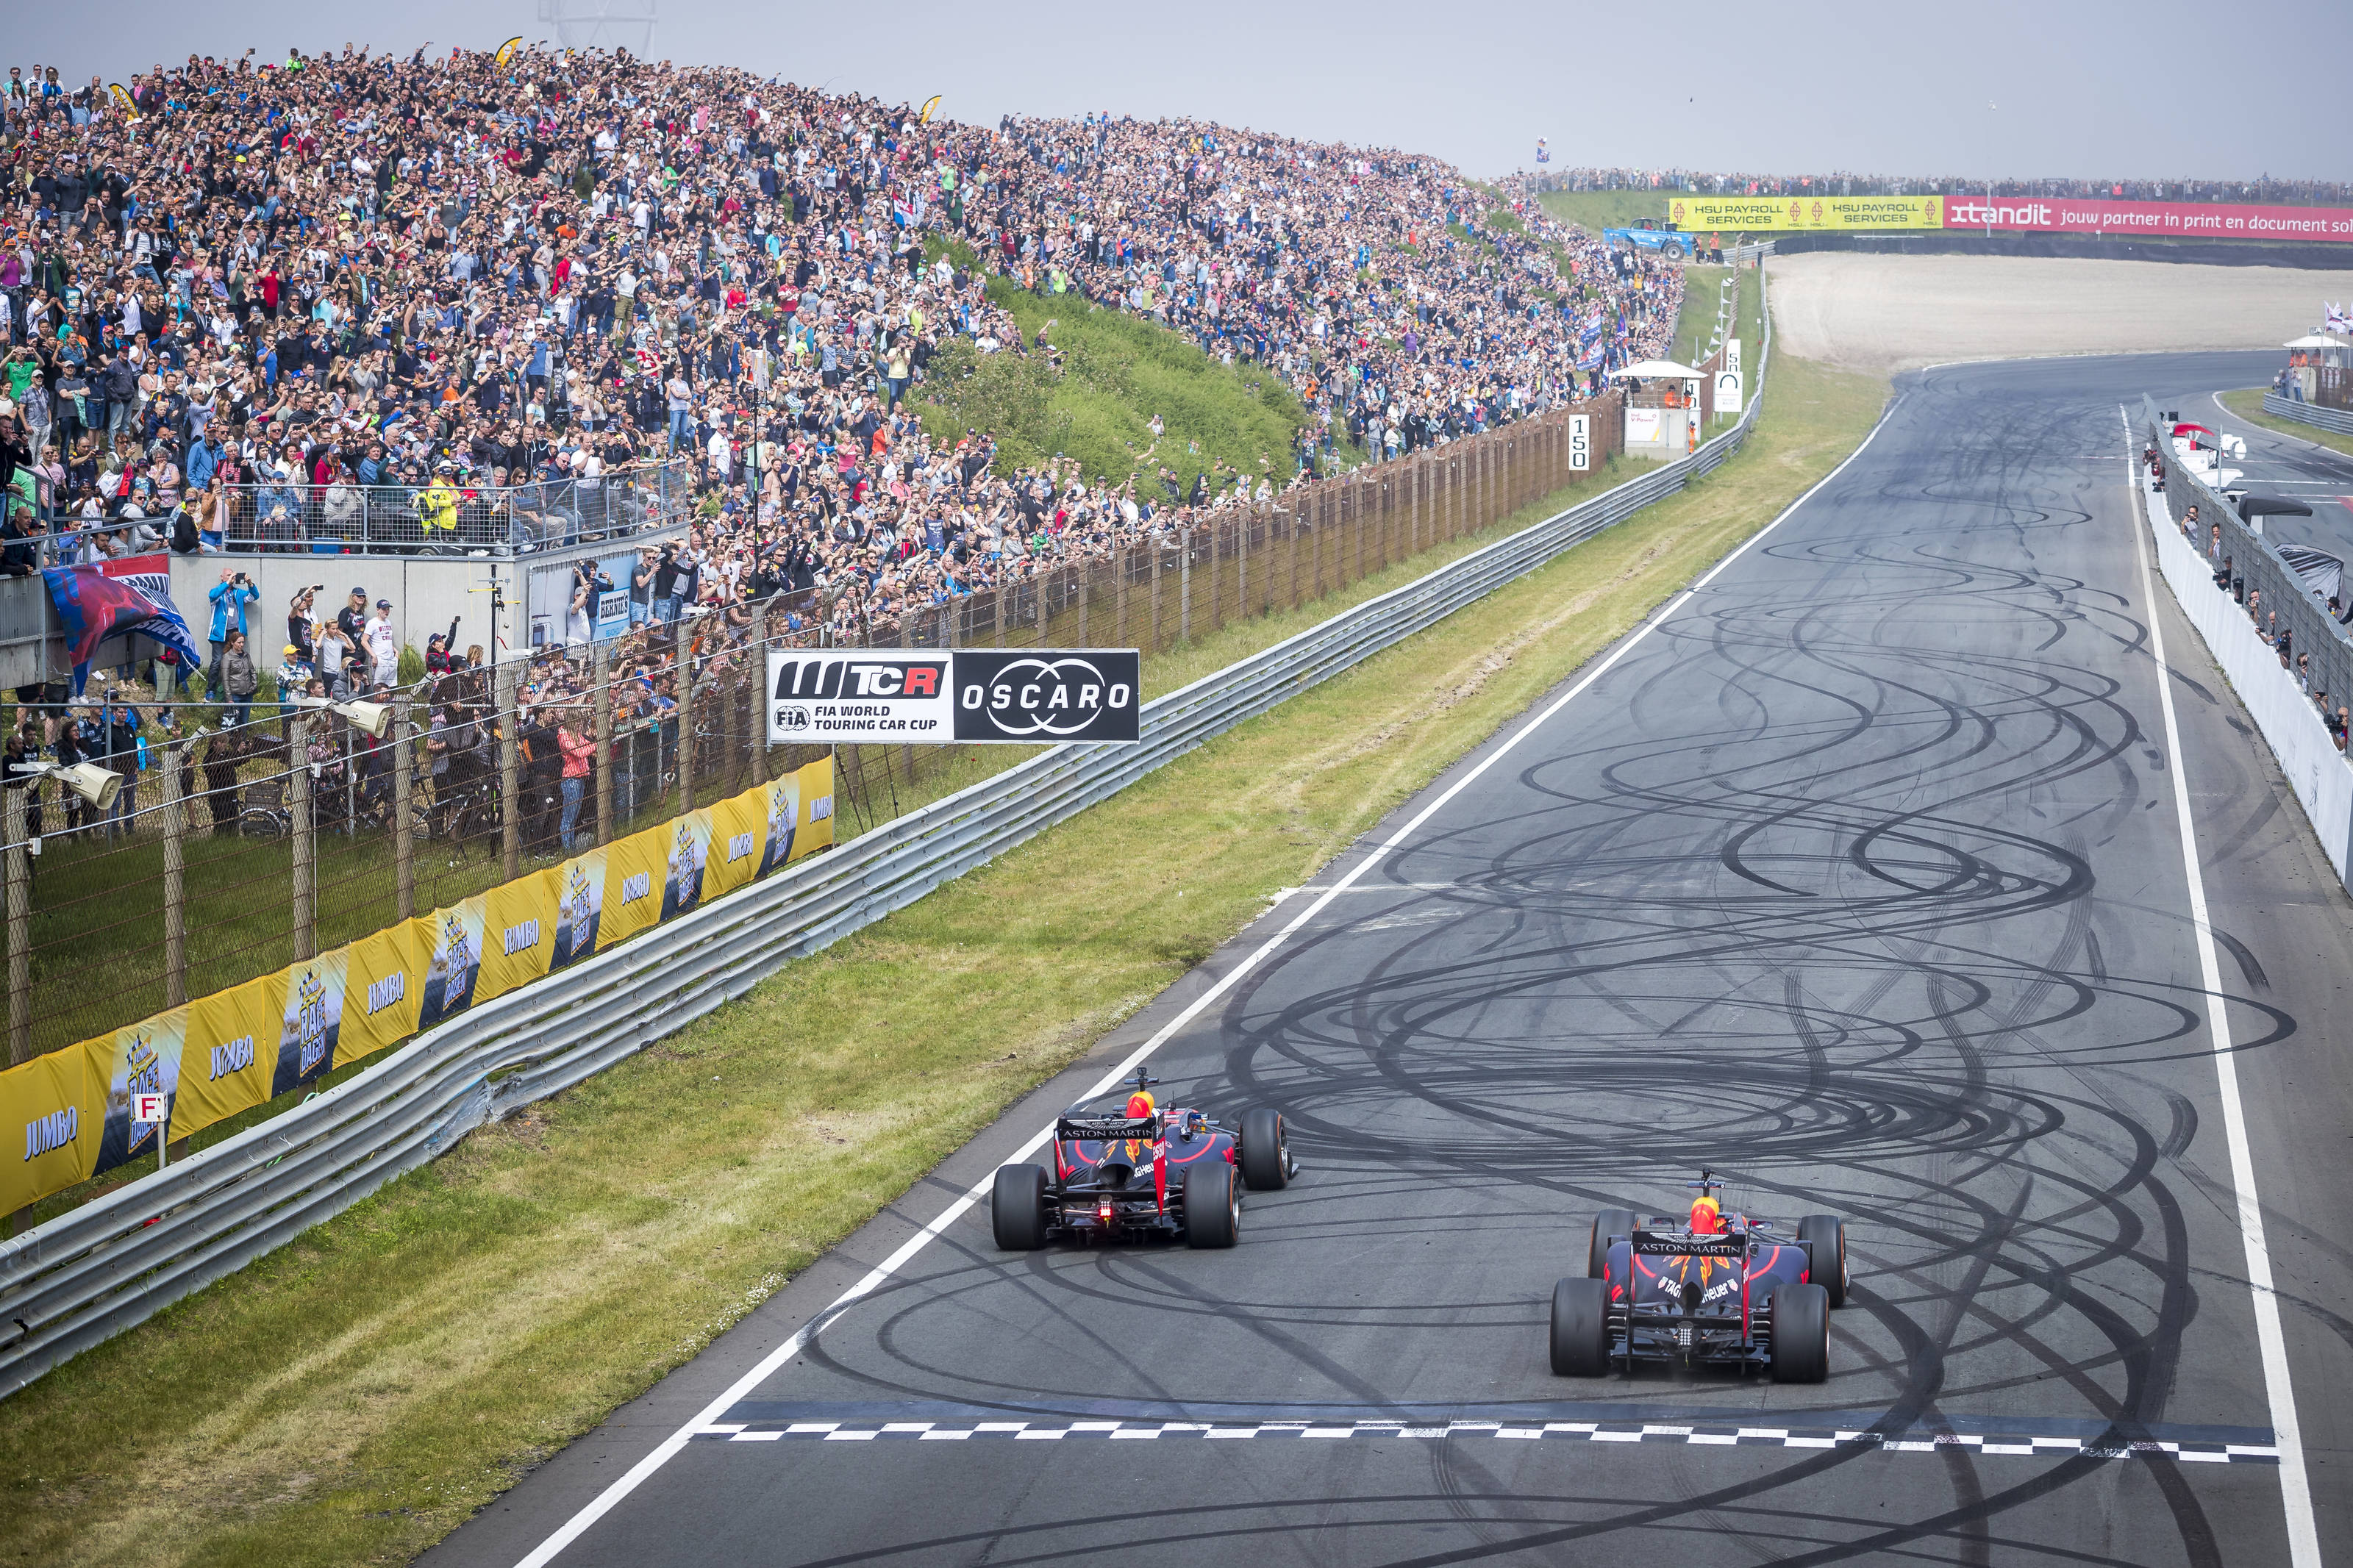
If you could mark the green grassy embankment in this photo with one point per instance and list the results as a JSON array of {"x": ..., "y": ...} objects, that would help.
[
  {"x": 1115, "y": 374},
  {"x": 1598, "y": 210},
  {"x": 2248, "y": 404},
  {"x": 354, "y": 1395}
]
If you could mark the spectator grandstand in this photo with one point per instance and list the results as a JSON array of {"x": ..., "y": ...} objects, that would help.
[{"x": 349, "y": 279}]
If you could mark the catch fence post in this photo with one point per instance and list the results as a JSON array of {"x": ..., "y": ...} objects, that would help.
[
  {"x": 1154, "y": 644},
  {"x": 1119, "y": 598},
  {"x": 175, "y": 883},
  {"x": 403, "y": 834},
  {"x": 20, "y": 921},
  {"x": 502, "y": 686},
  {"x": 600, "y": 768},
  {"x": 1185, "y": 585},
  {"x": 685, "y": 653},
  {"x": 305, "y": 845},
  {"x": 757, "y": 742},
  {"x": 1086, "y": 577}
]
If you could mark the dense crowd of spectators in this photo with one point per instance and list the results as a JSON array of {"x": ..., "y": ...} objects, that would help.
[
  {"x": 318, "y": 284},
  {"x": 346, "y": 276},
  {"x": 2261, "y": 190}
]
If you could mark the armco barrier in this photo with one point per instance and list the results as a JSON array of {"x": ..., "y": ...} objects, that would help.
[
  {"x": 2307, "y": 756},
  {"x": 2336, "y": 419},
  {"x": 87, "y": 1274}
]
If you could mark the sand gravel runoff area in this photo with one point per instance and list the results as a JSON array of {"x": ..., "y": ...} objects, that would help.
[{"x": 1885, "y": 313}]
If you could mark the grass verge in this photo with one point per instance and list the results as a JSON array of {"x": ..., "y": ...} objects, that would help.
[
  {"x": 1598, "y": 210},
  {"x": 351, "y": 1397},
  {"x": 2248, "y": 404}
]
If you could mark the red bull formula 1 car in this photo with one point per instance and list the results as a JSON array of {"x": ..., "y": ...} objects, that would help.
[
  {"x": 1144, "y": 1174},
  {"x": 1718, "y": 1289}
]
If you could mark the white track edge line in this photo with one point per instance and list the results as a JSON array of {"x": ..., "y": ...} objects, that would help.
[
  {"x": 604, "y": 1503},
  {"x": 2271, "y": 1338}
]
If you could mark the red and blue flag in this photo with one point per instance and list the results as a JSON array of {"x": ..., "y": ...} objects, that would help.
[{"x": 92, "y": 606}]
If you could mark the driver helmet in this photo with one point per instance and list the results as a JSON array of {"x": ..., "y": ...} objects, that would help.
[
  {"x": 1196, "y": 1123},
  {"x": 1706, "y": 1216},
  {"x": 1141, "y": 1103}
]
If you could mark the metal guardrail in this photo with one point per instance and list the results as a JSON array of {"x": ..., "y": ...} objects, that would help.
[
  {"x": 2326, "y": 418},
  {"x": 86, "y": 1276}
]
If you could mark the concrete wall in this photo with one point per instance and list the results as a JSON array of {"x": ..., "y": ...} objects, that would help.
[{"x": 425, "y": 591}]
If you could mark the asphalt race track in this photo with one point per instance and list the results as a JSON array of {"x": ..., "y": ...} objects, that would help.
[{"x": 1858, "y": 877}]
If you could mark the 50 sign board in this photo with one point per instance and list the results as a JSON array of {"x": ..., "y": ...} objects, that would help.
[{"x": 971, "y": 695}]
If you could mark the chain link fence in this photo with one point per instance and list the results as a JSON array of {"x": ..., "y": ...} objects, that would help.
[{"x": 237, "y": 850}]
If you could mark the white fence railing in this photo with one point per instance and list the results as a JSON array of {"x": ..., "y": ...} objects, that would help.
[{"x": 87, "y": 1274}]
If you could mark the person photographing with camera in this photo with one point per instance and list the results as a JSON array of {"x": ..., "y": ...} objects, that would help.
[{"x": 229, "y": 597}]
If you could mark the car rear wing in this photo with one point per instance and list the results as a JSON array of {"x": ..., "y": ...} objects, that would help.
[
  {"x": 1105, "y": 1129},
  {"x": 1650, "y": 1243}
]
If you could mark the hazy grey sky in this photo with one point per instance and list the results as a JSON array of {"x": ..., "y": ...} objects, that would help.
[{"x": 2147, "y": 89}]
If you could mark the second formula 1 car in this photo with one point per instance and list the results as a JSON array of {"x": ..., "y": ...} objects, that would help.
[
  {"x": 1141, "y": 1174},
  {"x": 1718, "y": 1288}
]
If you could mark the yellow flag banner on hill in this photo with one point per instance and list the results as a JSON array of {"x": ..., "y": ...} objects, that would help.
[
  {"x": 1748, "y": 215},
  {"x": 282, "y": 1033}
]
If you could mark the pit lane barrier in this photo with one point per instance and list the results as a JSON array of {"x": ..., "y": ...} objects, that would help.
[
  {"x": 76, "y": 1280},
  {"x": 2318, "y": 774}
]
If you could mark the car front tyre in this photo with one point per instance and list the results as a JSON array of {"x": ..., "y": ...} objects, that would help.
[
  {"x": 1607, "y": 1224},
  {"x": 1266, "y": 1150},
  {"x": 1017, "y": 1207},
  {"x": 1825, "y": 1238}
]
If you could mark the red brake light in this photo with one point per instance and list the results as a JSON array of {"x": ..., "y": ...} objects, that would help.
[{"x": 1102, "y": 1211}]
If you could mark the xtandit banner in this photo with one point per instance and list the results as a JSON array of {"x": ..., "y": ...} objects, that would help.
[
  {"x": 976, "y": 696},
  {"x": 2169, "y": 220},
  {"x": 1744, "y": 215}
]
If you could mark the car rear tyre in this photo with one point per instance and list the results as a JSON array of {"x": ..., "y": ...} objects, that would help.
[
  {"x": 1580, "y": 1329},
  {"x": 1825, "y": 1238},
  {"x": 1607, "y": 1224},
  {"x": 1801, "y": 1334},
  {"x": 1266, "y": 1150},
  {"x": 1213, "y": 1207},
  {"x": 1017, "y": 1207}
]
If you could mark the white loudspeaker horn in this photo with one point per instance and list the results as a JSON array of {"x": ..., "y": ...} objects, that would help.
[
  {"x": 375, "y": 718},
  {"x": 93, "y": 783}
]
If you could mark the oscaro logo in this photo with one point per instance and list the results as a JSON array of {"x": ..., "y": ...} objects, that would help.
[{"x": 1047, "y": 697}]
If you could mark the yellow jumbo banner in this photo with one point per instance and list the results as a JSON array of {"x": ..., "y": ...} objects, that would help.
[
  {"x": 384, "y": 985},
  {"x": 56, "y": 1114},
  {"x": 227, "y": 1058},
  {"x": 1749, "y": 215},
  {"x": 237, "y": 1048},
  {"x": 518, "y": 934}
]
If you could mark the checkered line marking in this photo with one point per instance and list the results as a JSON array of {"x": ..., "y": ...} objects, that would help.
[{"x": 1572, "y": 1431}]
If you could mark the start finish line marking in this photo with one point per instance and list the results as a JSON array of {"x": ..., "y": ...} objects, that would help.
[{"x": 1572, "y": 1431}]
